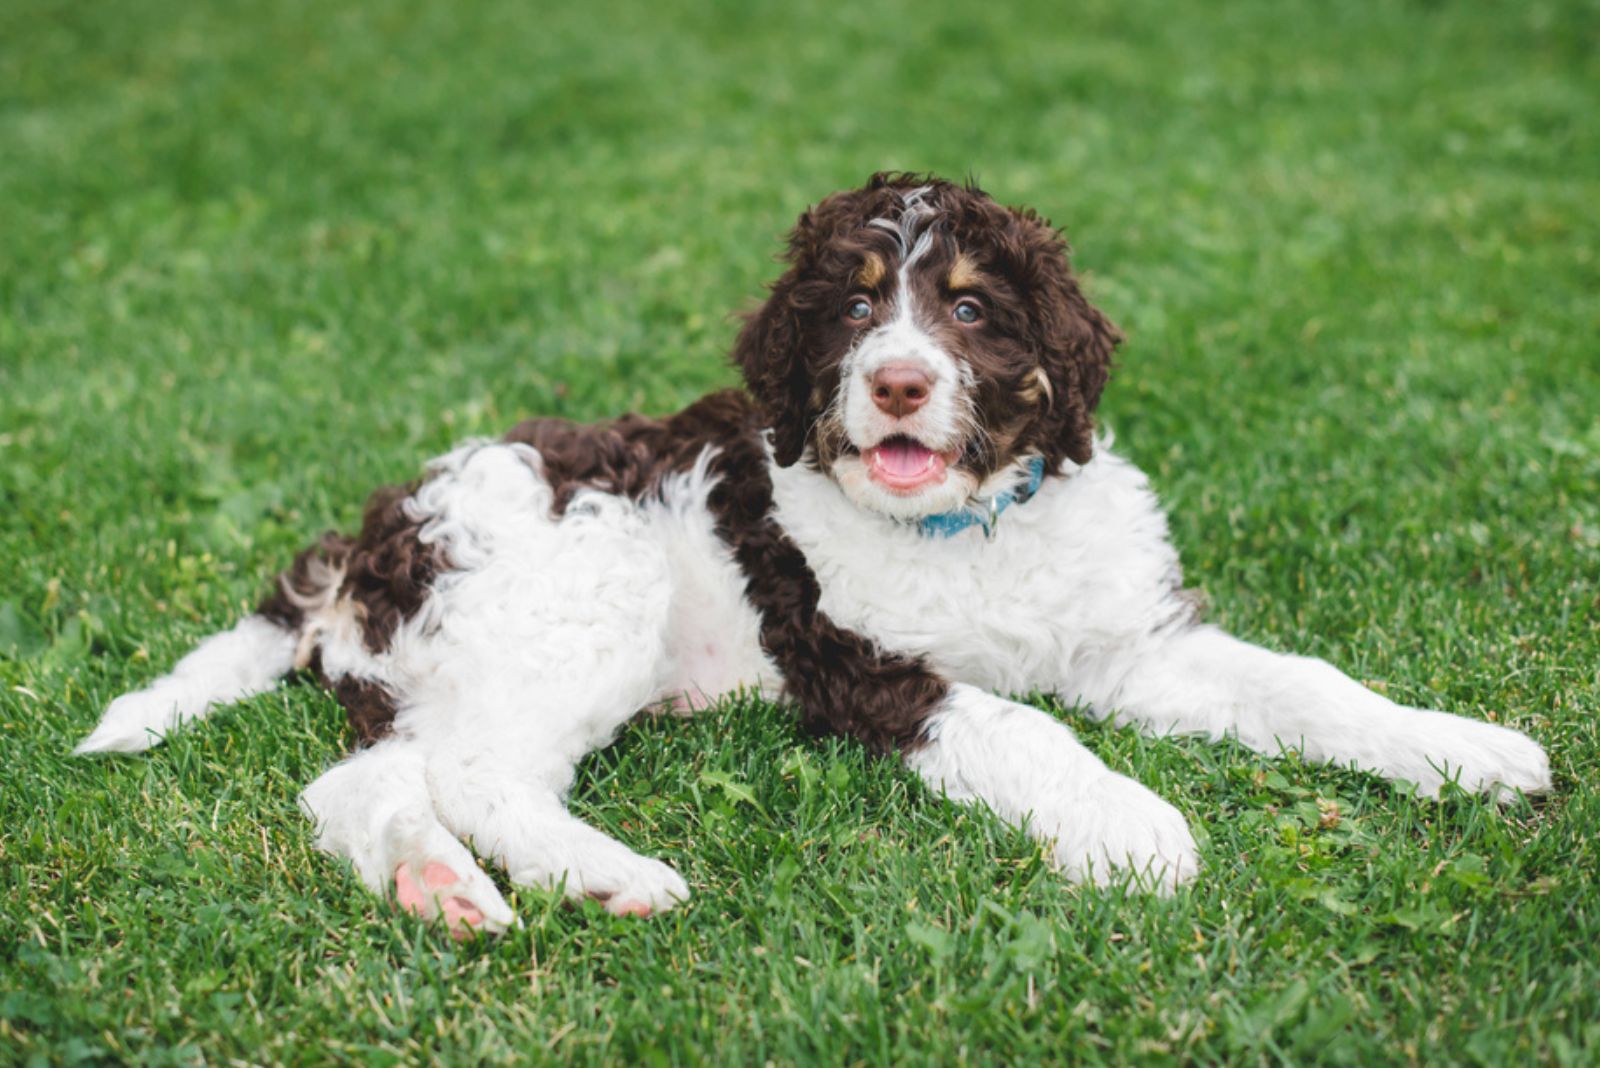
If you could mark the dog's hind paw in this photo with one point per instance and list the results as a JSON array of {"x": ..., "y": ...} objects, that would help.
[
  {"x": 654, "y": 887},
  {"x": 1116, "y": 831},
  {"x": 625, "y": 882},
  {"x": 435, "y": 877},
  {"x": 467, "y": 903}
]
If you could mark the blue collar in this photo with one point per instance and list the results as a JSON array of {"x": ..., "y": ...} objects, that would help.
[{"x": 981, "y": 512}]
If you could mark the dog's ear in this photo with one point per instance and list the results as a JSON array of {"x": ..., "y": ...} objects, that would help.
[
  {"x": 1074, "y": 341},
  {"x": 775, "y": 348},
  {"x": 769, "y": 356}
]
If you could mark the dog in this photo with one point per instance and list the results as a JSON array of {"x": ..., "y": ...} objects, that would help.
[{"x": 908, "y": 514}]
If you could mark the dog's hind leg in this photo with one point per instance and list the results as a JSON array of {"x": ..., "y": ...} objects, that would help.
[
  {"x": 553, "y": 639},
  {"x": 546, "y": 636},
  {"x": 375, "y": 810}
]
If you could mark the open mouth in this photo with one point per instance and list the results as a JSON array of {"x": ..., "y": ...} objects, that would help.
[{"x": 905, "y": 465}]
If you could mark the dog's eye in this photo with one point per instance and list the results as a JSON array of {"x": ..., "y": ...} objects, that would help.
[
  {"x": 858, "y": 309},
  {"x": 967, "y": 311}
]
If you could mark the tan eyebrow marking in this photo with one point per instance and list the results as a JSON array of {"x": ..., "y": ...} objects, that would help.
[
  {"x": 963, "y": 272},
  {"x": 871, "y": 272}
]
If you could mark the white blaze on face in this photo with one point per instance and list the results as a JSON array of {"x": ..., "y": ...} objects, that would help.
[{"x": 904, "y": 461}]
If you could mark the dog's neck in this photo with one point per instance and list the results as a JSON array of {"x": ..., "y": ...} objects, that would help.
[{"x": 985, "y": 511}]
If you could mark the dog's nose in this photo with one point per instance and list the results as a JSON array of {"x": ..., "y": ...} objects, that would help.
[{"x": 899, "y": 389}]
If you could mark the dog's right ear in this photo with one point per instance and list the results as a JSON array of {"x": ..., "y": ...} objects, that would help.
[
  {"x": 768, "y": 353},
  {"x": 774, "y": 347},
  {"x": 781, "y": 347}
]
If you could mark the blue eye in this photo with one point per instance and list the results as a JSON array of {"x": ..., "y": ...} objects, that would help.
[
  {"x": 858, "y": 310},
  {"x": 967, "y": 311}
]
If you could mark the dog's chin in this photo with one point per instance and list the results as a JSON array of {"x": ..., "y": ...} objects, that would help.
[{"x": 950, "y": 491}]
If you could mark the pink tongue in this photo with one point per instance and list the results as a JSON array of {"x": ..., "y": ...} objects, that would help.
[{"x": 903, "y": 459}]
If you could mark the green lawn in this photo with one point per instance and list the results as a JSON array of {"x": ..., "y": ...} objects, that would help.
[{"x": 256, "y": 259}]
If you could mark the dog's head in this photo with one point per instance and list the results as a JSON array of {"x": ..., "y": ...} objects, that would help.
[{"x": 924, "y": 344}]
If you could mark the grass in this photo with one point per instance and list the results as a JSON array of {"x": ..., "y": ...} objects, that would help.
[{"x": 257, "y": 259}]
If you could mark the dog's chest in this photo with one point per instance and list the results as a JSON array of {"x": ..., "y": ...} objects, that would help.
[
  {"x": 972, "y": 610},
  {"x": 1081, "y": 565},
  {"x": 991, "y": 612}
]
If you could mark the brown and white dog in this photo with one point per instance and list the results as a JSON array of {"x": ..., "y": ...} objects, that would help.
[{"x": 908, "y": 514}]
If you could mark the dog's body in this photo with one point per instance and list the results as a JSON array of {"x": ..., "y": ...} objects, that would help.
[{"x": 910, "y": 517}]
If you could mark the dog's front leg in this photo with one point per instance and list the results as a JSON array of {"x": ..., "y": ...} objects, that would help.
[
  {"x": 1031, "y": 769},
  {"x": 1026, "y": 766},
  {"x": 1203, "y": 681}
]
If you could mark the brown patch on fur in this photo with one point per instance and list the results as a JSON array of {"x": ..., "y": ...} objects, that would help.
[
  {"x": 843, "y": 683},
  {"x": 385, "y": 572},
  {"x": 390, "y": 570},
  {"x": 631, "y": 455},
  {"x": 369, "y": 706},
  {"x": 963, "y": 273}
]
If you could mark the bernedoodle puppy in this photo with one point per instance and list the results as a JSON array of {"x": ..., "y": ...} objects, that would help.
[{"x": 907, "y": 516}]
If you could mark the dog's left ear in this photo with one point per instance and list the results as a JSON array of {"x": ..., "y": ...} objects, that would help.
[{"x": 1075, "y": 342}]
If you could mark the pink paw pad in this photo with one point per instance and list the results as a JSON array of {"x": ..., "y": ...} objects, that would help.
[
  {"x": 460, "y": 915},
  {"x": 627, "y": 908},
  {"x": 620, "y": 906}
]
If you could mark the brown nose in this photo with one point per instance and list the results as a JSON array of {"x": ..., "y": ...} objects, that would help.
[{"x": 900, "y": 390}]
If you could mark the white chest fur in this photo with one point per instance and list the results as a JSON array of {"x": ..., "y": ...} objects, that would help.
[{"x": 1083, "y": 565}]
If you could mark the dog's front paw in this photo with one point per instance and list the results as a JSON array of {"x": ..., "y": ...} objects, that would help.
[
  {"x": 1116, "y": 829},
  {"x": 1481, "y": 757}
]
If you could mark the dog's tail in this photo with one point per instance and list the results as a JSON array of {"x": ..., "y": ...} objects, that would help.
[{"x": 232, "y": 665}]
